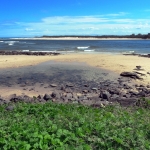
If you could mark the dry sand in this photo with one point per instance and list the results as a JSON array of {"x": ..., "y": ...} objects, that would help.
[
  {"x": 12, "y": 61},
  {"x": 116, "y": 63}
]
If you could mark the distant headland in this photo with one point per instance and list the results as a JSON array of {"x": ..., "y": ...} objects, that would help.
[{"x": 132, "y": 36}]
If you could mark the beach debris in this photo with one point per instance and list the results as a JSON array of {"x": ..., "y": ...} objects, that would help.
[{"x": 131, "y": 75}]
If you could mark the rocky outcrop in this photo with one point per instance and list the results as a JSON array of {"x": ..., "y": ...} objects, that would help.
[{"x": 28, "y": 53}]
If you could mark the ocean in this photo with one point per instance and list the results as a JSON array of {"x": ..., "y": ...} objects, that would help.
[{"x": 102, "y": 46}]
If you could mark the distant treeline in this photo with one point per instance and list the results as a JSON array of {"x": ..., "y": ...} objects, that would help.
[{"x": 141, "y": 36}]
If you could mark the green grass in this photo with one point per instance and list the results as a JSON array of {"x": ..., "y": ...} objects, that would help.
[{"x": 73, "y": 127}]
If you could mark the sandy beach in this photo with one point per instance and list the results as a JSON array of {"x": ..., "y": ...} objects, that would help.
[
  {"x": 117, "y": 63},
  {"x": 113, "y": 63}
]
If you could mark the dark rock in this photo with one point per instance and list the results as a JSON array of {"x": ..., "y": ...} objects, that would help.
[
  {"x": 128, "y": 95},
  {"x": 47, "y": 97},
  {"x": 53, "y": 85},
  {"x": 85, "y": 91},
  {"x": 10, "y": 108},
  {"x": 1, "y": 99},
  {"x": 86, "y": 85},
  {"x": 69, "y": 85},
  {"x": 65, "y": 100},
  {"x": 131, "y": 75},
  {"x": 15, "y": 98},
  {"x": 134, "y": 92},
  {"x": 127, "y": 102},
  {"x": 114, "y": 96},
  {"x": 55, "y": 94},
  {"x": 138, "y": 67},
  {"x": 142, "y": 94},
  {"x": 22, "y": 85},
  {"x": 105, "y": 95},
  {"x": 141, "y": 85},
  {"x": 114, "y": 91},
  {"x": 27, "y": 53},
  {"x": 40, "y": 96},
  {"x": 26, "y": 97},
  {"x": 31, "y": 89},
  {"x": 62, "y": 87},
  {"x": 148, "y": 86}
]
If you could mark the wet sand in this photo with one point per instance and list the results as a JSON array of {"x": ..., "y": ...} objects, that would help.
[
  {"x": 116, "y": 63},
  {"x": 36, "y": 79}
]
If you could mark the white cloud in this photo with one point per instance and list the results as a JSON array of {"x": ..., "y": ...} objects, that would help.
[
  {"x": 28, "y": 29},
  {"x": 73, "y": 19},
  {"x": 117, "y": 14},
  {"x": 102, "y": 24}
]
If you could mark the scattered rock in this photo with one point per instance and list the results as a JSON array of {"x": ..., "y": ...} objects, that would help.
[
  {"x": 62, "y": 87},
  {"x": 10, "y": 108},
  {"x": 40, "y": 96},
  {"x": 53, "y": 85},
  {"x": 55, "y": 94},
  {"x": 138, "y": 67},
  {"x": 85, "y": 91},
  {"x": 105, "y": 95},
  {"x": 94, "y": 89},
  {"x": 131, "y": 75},
  {"x": 28, "y": 53},
  {"x": 47, "y": 97},
  {"x": 69, "y": 85},
  {"x": 69, "y": 95}
]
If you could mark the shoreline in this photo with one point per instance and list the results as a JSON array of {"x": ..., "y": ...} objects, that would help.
[{"x": 76, "y": 38}]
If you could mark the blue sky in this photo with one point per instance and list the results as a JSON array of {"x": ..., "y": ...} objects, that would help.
[{"x": 29, "y": 18}]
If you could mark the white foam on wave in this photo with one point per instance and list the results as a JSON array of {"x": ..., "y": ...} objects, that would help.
[
  {"x": 89, "y": 50},
  {"x": 82, "y": 47},
  {"x": 25, "y": 50},
  {"x": 11, "y": 42},
  {"x": 1, "y": 41},
  {"x": 54, "y": 51}
]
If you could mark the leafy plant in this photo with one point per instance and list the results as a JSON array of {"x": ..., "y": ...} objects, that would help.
[{"x": 73, "y": 127}]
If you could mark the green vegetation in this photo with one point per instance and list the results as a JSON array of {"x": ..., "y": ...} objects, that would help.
[
  {"x": 70, "y": 126},
  {"x": 140, "y": 36}
]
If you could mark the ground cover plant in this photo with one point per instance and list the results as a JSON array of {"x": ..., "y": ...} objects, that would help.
[{"x": 73, "y": 127}]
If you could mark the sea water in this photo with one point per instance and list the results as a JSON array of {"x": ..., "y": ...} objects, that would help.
[{"x": 103, "y": 46}]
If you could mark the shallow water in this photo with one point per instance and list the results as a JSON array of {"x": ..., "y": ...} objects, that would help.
[
  {"x": 54, "y": 72},
  {"x": 113, "y": 46}
]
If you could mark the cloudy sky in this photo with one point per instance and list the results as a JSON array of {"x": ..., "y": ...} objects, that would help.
[{"x": 29, "y": 18}]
